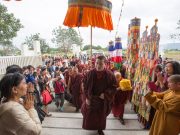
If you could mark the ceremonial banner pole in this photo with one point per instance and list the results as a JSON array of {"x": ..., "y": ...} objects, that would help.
[{"x": 91, "y": 46}]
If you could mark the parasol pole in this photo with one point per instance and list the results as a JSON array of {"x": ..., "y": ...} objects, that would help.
[{"x": 91, "y": 46}]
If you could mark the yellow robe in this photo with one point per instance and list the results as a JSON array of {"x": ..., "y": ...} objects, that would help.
[{"x": 167, "y": 118}]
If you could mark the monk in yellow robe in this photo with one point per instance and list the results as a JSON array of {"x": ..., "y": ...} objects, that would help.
[{"x": 167, "y": 105}]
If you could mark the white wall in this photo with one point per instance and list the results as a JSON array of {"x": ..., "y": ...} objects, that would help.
[{"x": 19, "y": 60}]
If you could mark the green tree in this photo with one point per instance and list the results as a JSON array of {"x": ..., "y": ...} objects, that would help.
[
  {"x": 87, "y": 47},
  {"x": 176, "y": 35},
  {"x": 9, "y": 26},
  {"x": 98, "y": 47},
  {"x": 43, "y": 44},
  {"x": 64, "y": 38},
  {"x": 9, "y": 50}
]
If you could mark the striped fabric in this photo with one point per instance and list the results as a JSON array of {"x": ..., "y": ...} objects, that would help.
[
  {"x": 118, "y": 53},
  {"x": 111, "y": 50},
  {"x": 101, "y": 4}
]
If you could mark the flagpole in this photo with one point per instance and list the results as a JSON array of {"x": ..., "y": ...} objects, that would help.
[{"x": 91, "y": 46}]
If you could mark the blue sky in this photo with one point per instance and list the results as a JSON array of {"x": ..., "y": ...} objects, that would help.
[{"x": 42, "y": 16}]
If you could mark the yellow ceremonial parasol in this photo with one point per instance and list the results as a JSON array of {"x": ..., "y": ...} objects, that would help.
[{"x": 94, "y": 13}]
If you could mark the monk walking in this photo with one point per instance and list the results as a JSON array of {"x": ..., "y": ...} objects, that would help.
[
  {"x": 119, "y": 100},
  {"x": 75, "y": 87},
  {"x": 99, "y": 89}
]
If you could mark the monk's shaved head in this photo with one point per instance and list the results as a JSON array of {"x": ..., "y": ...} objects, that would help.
[
  {"x": 117, "y": 74},
  {"x": 174, "y": 78}
]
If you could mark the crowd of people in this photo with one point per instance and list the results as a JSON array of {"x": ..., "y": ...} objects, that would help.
[{"x": 94, "y": 88}]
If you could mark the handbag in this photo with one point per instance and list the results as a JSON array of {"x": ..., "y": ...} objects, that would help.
[{"x": 47, "y": 99}]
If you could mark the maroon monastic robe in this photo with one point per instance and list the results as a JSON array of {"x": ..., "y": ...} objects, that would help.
[
  {"x": 80, "y": 67},
  {"x": 75, "y": 88},
  {"x": 96, "y": 83},
  {"x": 66, "y": 76},
  {"x": 119, "y": 102}
]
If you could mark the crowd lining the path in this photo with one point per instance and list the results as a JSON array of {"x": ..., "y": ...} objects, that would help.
[{"x": 96, "y": 89}]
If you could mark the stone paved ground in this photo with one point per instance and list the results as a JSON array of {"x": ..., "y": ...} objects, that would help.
[{"x": 69, "y": 123}]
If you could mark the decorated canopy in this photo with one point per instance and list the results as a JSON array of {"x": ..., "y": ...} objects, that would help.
[{"x": 96, "y": 13}]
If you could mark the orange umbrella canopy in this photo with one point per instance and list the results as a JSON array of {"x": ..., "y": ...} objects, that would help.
[{"x": 96, "y": 13}]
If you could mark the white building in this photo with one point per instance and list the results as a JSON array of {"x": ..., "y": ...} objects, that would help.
[
  {"x": 36, "y": 52},
  {"x": 76, "y": 50}
]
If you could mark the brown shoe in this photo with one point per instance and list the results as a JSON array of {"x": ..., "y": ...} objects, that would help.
[{"x": 100, "y": 132}]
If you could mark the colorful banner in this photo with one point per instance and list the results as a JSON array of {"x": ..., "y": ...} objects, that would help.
[
  {"x": 118, "y": 53},
  {"x": 111, "y": 51},
  {"x": 133, "y": 47},
  {"x": 148, "y": 55}
]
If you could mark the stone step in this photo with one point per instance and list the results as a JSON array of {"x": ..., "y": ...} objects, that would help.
[
  {"x": 79, "y": 115},
  {"x": 68, "y": 108},
  {"x": 55, "y": 131},
  {"x": 68, "y": 121}
]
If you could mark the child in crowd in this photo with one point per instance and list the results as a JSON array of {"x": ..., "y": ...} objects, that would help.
[
  {"x": 167, "y": 105},
  {"x": 59, "y": 89}
]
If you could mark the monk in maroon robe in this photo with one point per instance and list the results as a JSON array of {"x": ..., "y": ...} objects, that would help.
[
  {"x": 67, "y": 75},
  {"x": 119, "y": 100},
  {"x": 80, "y": 67},
  {"x": 75, "y": 87},
  {"x": 99, "y": 89}
]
